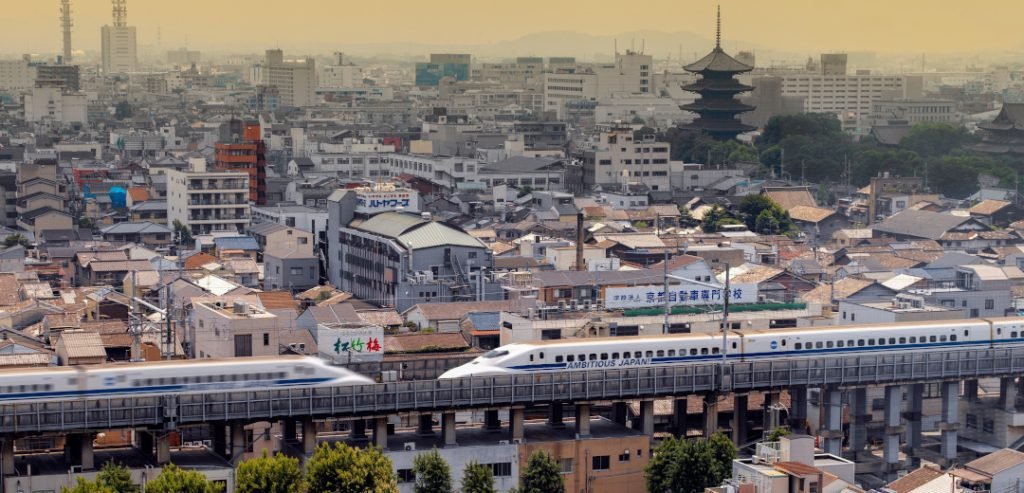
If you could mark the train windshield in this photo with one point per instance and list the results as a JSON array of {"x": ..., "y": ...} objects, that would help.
[{"x": 495, "y": 353}]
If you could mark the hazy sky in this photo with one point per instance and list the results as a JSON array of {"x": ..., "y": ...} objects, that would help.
[{"x": 792, "y": 25}]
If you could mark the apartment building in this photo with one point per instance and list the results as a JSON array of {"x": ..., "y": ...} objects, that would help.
[
  {"x": 17, "y": 75},
  {"x": 245, "y": 152},
  {"x": 341, "y": 74},
  {"x": 225, "y": 329},
  {"x": 842, "y": 94},
  {"x": 518, "y": 73},
  {"x": 295, "y": 80},
  {"x": 911, "y": 111},
  {"x": 55, "y": 106},
  {"x": 618, "y": 160},
  {"x": 208, "y": 201}
]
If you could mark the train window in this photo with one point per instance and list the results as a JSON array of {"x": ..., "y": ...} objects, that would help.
[
  {"x": 871, "y": 342},
  {"x": 860, "y": 342},
  {"x": 703, "y": 350},
  {"x": 892, "y": 340},
  {"x": 650, "y": 354},
  {"x": 49, "y": 387},
  {"x": 715, "y": 350},
  {"x": 615, "y": 355},
  {"x": 942, "y": 338},
  {"x": 21, "y": 388},
  {"x": 531, "y": 357},
  {"x": 828, "y": 344},
  {"x": 931, "y": 339},
  {"x": 952, "y": 337},
  {"x": 558, "y": 359},
  {"x": 798, "y": 345},
  {"x": 542, "y": 355},
  {"x": 840, "y": 343},
  {"x": 582, "y": 357},
  {"x": 1013, "y": 334},
  {"x": 850, "y": 343},
  {"x": 693, "y": 351},
  {"x": 966, "y": 332},
  {"x": 913, "y": 339},
  {"x": 903, "y": 340},
  {"x": 734, "y": 344},
  {"x": 604, "y": 355},
  {"x": 671, "y": 352},
  {"x": 570, "y": 358},
  {"x": 661, "y": 353},
  {"x": 818, "y": 344},
  {"x": 592, "y": 357},
  {"x": 495, "y": 353},
  {"x": 783, "y": 343},
  {"x": 999, "y": 330}
]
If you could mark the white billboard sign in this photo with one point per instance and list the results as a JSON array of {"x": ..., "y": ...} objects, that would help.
[
  {"x": 678, "y": 294},
  {"x": 372, "y": 202},
  {"x": 358, "y": 345}
]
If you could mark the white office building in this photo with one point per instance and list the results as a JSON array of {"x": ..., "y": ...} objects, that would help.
[
  {"x": 16, "y": 75},
  {"x": 617, "y": 161},
  {"x": 295, "y": 80},
  {"x": 52, "y": 105},
  {"x": 631, "y": 73},
  {"x": 851, "y": 95}
]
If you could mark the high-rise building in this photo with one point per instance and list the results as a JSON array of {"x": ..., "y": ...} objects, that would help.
[
  {"x": 341, "y": 75},
  {"x": 17, "y": 75},
  {"x": 245, "y": 151},
  {"x": 717, "y": 108},
  {"x": 118, "y": 46},
  {"x": 63, "y": 76},
  {"x": 833, "y": 64},
  {"x": 630, "y": 74},
  {"x": 443, "y": 65},
  {"x": 295, "y": 80}
]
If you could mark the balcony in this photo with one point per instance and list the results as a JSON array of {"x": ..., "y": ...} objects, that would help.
[
  {"x": 218, "y": 218},
  {"x": 212, "y": 202}
]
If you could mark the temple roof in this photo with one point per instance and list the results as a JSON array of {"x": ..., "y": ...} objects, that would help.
[
  {"x": 718, "y": 61},
  {"x": 1009, "y": 118}
]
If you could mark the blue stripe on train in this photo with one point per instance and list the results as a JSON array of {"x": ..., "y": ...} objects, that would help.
[
  {"x": 718, "y": 357},
  {"x": 146, "y": 390}
]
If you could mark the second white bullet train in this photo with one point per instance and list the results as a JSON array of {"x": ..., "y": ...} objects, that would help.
[{"x": 740, "y": 345}]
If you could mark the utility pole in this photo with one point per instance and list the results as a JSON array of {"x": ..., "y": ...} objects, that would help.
[{"x": 725, "y": 315}]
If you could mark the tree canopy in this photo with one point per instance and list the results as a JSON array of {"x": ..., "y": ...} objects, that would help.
[
  {"x": 690, "y": 465},
  {"x": 763, "y": 215},
  {"x": 173, "y": 479},
  {"x": 541, "y": 475},
  {"x": 715, "y": 218},
  {"x": 343, "y": 469},
  {"x": 477, "y": 478},
  {"x": 432, "y": 473},
  {"x": 269, "y": 474},
  {"x": 112, "y": 478}
]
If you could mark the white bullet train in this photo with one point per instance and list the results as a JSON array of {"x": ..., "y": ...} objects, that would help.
[
  {"x": 168, "y": 377},
  {"x": 740, "y": 345}
]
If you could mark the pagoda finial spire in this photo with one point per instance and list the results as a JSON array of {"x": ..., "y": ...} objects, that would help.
[{"x": 718, "y": 28}]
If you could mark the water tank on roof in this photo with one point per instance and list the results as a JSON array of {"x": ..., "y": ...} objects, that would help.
[{"x": 118, "y": 197}]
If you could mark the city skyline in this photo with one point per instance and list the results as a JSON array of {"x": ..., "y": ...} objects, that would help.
[{"x": 316, "y": 26}]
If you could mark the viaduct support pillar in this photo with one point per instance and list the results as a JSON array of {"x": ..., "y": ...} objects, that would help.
[
  {"x": 380, "y": 432},
  {"x": 7, "y": 461},
  {"x": 915, "y": 407},
  {"x": 679, "y": 412},
  {"x": 893, "y": 428},
  {"x": 832, "y": 427},
  {"x": 237, "y": 441},
  {"x": 646, "y": 417},
  {"x": 358, "y": 430},
  {"x": 555, "y": 415},
  {"x": 78, "y": 450},
  {"x": 971, "y": 390},
  {"x": 163, "y": 448},
  {"x": 219, "y": 433},
  {"x": 1008, "y": 394},
  {"x": 426, "y": 425},
  {"x": 859, "y": 418},
  {"x": 288, "y": 430},
  {"x": 771, "y": 411},
  {"x": 309, "y": 436},
  {"x": 582, "y": 420},
  {"x": 739, "y": 419},
  {"x": 516, "y": 417},
  {"x": 798, "y": 409},
  {"x": 448, "y": 428},
  {"x": 620, "y": 413},
  {"x": 710, "y": 414},
  {"x": 492, "y": 422},
  {"x": 950, "y": 419}
]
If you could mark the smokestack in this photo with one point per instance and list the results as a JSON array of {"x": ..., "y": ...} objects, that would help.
[{"x": 580, "y": 264}]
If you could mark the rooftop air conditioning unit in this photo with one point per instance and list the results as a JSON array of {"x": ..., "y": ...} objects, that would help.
[
  {"x": 502, "y": 442},
  {"x": 517, "y": 441},
  {"x": 410, "y": 446},
  {"x": 241, "y": 308}
]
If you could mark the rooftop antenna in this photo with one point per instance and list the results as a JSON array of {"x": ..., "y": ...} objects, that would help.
[
  {"x": 718, "y": 29},
  {"x": 65, "y": 24},
  {"x": 120, "y": 13}
]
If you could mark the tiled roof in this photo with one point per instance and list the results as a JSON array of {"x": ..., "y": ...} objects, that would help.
[
  {"x": 997, "y": 461},
  {"x": 337, "y": 313},
  {"x": 810, "y": 214},
  {"x": 81, "y": 344},
  {"x": 277, "y": 300},
  {"x": 455, "y": 311},
  {"x": 914, "y": 480},
  {"x": 988, "y": 207},
  {"x": 790, "y": 197},
  {"x": 843, "y": 288},
  {"x": 10, "y": 293},
  {"x": 797, "y": 468},
  {"x": 406, "y": 343},
  {"x": 384, "y": 318}
]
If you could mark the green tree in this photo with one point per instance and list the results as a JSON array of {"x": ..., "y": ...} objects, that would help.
[
  {"x": 116, "y": 477},
  {"x": 686, "y": 218},
  {"x": 432, "y": 473},
  {"x": 17, "y": 239},
  {"x": 935, "y": 139},
  {"x": 85, "y": 486},
  {"x": 86, "y": 223},
  {"x": 779, "y": 128},
  {"x": 343, "y": 469},
  {"x": 184, "y": 234},
  {"x": 689, "y": 466},
  {"x": 715, "y": 218},
  {"x": 777, "y": 433},
  {"x": 541, "y": 475},
  {"x": 173, "y": 479},
  {"x": 763, "y": 215},
  {"x": 266, "y": 474},
  {"x": 477, "y": 478}
]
